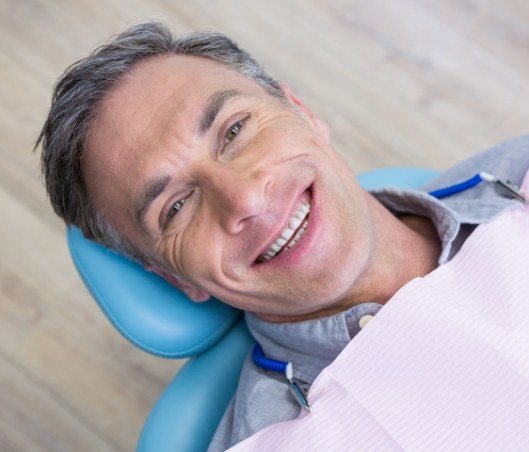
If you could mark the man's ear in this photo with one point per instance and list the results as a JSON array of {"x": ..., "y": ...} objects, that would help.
[
  {"x": 191, "y": 290},
  {"x": 319, "y": 125}
]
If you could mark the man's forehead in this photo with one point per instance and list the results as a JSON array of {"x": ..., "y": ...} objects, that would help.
[
  {"x": 160, "y": 89},
  {"x": 191, "y": 77},
  {"x": 149, "y": 86}
]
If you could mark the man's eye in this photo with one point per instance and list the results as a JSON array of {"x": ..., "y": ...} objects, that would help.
[
  {"x": 174, "y": 209},
  {"x": 233, "y": 131}
]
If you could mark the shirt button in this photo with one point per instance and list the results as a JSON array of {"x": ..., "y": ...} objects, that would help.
[{"x": 364, "y": 320}]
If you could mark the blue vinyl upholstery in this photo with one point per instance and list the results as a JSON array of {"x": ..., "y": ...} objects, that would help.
[
  {"x": 144, "y": 308},
  {"x": 159, "y": 319},
  {"x": 189, "y": 410}
]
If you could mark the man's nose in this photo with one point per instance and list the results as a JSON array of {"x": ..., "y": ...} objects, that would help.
[{"x": 236, "y": 194}]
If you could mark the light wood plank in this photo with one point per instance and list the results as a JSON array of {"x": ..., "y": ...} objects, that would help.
[{"x": 33, "y": 419}]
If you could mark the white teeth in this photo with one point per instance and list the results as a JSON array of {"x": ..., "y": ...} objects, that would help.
[
  {"x": 280, "y": 241},
  {"x": 286, "y": 234},
  {"x": 299, "y": 215},
  {"x": 294, "y": 222}
]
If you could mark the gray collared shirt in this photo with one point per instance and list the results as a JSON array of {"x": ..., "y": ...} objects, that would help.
[{"x": 262, "y": 398}]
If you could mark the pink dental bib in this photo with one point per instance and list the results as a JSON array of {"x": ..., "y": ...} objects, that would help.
[{"x": 443, "y": 366}]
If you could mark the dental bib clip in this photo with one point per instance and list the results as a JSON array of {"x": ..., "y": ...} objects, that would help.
[{"x": 286, "y": 368}]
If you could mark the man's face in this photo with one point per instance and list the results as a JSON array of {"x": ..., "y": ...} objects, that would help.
[{"x": 200, "y": 167}]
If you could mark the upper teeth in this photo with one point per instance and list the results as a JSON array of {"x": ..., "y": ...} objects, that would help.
[{"x": 299, "y": 216}]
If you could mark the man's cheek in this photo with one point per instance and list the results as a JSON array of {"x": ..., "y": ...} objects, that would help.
[{"x": 197, "y": 259}]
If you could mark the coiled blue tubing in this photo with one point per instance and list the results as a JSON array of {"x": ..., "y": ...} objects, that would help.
[{"x": 262, "y": 361}]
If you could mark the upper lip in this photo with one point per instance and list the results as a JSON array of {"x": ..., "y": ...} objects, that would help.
[{"x": 277, "y": 231}]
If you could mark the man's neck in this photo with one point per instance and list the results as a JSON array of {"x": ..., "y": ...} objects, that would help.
[{"x": 407, "y": 247}]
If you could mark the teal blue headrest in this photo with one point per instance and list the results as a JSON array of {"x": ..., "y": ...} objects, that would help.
[{"x": 145, "y": 309}]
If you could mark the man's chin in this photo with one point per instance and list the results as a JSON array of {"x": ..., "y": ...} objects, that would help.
[
  {"x": 302, "y": 315},
  {"x": 309, "y": 304}
]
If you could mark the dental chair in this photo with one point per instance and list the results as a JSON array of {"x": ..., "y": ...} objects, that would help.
[{"x": 159, "y": 319}]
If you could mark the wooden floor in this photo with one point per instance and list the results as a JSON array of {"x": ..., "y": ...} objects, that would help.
[{"x": 408, "y": 82}]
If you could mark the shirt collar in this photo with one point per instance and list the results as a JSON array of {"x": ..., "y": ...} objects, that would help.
[
  {"x": 312, "y": 345},
  {"x": 445, "y": 220}
]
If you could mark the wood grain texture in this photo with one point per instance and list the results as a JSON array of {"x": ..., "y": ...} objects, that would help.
[{"x": 413, "y": 82}]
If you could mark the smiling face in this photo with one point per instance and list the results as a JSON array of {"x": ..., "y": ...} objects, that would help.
[{"x": 203, "y": 169}]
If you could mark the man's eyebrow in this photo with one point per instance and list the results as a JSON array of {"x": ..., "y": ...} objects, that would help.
[
  {"x": 152, "y": 190},
  {"x": 213, "y": 106}
]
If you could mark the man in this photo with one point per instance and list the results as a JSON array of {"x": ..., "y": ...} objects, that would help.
[{"x": 184, "y": 155}]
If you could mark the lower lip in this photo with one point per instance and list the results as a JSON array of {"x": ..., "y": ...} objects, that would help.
[{"x": 295, "y": 254}]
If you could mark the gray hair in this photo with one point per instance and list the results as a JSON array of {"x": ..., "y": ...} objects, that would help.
[{"x": 80, "y": 90}]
